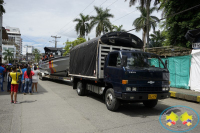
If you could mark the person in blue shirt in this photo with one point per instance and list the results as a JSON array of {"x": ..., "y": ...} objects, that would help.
[
  {"x": 23, "y": 71},
  {"x": 2, "y": 69}
]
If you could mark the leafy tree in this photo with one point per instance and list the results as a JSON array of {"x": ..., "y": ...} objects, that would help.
[
  {"x": 69, "y": 45},
  {"x": 82, "y": 26},
  {"x": 36, "y": 53},
  {"x": 157, "y": 39},
  {"x": 141, "y": 22},
  {"x": 178, "y": 25},
  {"x": 8, "y": 55},
  {"x": 145, "y": 3},
  {"x": 116, "y": 28},
  {"x": 2, "y": 9},
  {"x": 101, "y": 20}
]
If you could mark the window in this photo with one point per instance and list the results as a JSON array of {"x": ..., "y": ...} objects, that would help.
[
  {"x": 11, "y": 49},
  {"x": 5, "y": 48},
  {"x": 114, "y": 60}
]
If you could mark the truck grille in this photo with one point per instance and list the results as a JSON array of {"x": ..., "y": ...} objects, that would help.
[{"x": 146, "y": 89}]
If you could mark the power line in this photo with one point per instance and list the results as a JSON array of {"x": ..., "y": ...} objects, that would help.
[
  {"x": 124, "y": 15},
  {"x": 169, "y": 16},
  {"x": 112, "y": 3},
  {"x": 76, "y": 16},
  {"x": 100, "y": 5}
]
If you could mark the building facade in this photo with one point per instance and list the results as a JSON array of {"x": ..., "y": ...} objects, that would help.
[{"x": 14, "y": 33}]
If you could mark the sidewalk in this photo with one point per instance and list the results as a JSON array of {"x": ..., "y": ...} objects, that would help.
[{"x": 185, "y": 94}]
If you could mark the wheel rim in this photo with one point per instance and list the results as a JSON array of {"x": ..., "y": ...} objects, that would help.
[
  {"x": 109, "y": 99},
  {"x": 78, "y": 88}
]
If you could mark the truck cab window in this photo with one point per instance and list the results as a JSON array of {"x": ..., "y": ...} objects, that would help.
[{"x": 114, "y": 60}]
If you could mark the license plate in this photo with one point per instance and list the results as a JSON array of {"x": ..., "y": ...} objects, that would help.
[{"x": 152, "y": 96}]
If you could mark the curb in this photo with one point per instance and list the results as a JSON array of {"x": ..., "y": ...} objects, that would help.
[{"x": 184, "y": 96}]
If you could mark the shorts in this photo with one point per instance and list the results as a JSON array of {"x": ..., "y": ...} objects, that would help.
[{"x": 14, "y": 87}]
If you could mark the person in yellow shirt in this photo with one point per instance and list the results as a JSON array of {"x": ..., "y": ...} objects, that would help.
[{"x": 14, "y": 85}]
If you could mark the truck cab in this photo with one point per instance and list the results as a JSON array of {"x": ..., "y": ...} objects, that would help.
[{"x": 136, "y": 76}]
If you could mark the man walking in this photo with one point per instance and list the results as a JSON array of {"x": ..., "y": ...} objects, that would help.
[{"x": 1, "y": 76}]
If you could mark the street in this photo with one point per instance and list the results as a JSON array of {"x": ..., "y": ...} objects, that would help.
[{"x": 58, "y": 108}]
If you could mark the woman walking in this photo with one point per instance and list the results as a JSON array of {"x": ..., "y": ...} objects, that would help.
[
  {"x": 35, "y": 79},
  {"x": 28, "y": 79},
  {"x": 14, "y": 84}
]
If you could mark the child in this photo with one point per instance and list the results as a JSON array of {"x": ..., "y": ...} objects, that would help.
[{"x": 9, "y": 79}]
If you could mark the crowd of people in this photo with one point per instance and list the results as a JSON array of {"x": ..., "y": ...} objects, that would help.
[
  {"x": 47, "y": 57},
  {"x": 20, "y": 78}
]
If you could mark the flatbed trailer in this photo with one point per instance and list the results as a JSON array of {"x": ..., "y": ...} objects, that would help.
[{"x": 43, "y": 75}]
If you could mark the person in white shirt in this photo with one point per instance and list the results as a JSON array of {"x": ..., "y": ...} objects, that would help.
[{"x": 35, "y": 79}]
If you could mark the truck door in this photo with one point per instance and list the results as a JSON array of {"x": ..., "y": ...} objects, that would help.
[{"x": 113, "y": 70}]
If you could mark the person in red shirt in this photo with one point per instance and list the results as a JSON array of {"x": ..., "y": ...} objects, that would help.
[{"x": 28, "y": 79}]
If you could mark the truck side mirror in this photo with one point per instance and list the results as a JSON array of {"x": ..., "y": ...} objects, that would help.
[
  {"x": 124, "y": 60},
  {"x": 166, "y": 63}
]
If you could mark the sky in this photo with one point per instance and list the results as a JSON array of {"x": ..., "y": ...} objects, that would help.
[{"x": 38, "y": 20}]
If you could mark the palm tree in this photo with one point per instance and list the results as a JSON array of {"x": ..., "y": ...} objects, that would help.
[
  {"x": 8, "y": 55},
  {"x": 147, "y": 4},
  {"x": 157, "y": 39},
  {"x": 116, "y": 28},
  {"x": 82, "y": 26},
  {"x": 101, "y": 20},
  {"x": 141, "y": 22}
]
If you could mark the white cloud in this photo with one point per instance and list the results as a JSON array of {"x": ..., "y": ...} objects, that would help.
[{"x": 39, "y": 19}]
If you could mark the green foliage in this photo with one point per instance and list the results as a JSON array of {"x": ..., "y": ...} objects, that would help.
[
  {"x": 101, "y": 20},
  {"x": 37, "y": 54},
  {"x": 116, "y": 28},
  {"x": 8, "y": 55},
  {"x": 157, "y": 39},
  {"x": 2, "y": 9},
  {"x": 178, "y": 25},
  {"x": 69, "y": 45},
  {"x": 82, "y": 26},
  {"x": 141, "y": 22}
]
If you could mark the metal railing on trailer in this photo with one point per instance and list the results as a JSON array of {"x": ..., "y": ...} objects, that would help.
[{"x": 104, "y": 50}]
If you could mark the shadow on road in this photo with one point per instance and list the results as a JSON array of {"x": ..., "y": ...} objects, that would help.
[{"x": 135, "y": 109}]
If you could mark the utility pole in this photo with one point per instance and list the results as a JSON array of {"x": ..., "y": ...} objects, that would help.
[
  {"x": 1, "y": 14},
  {"x": 56, "y": 40}
]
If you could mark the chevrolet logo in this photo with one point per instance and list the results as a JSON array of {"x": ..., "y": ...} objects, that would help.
[{"x": 151, "y": 82}]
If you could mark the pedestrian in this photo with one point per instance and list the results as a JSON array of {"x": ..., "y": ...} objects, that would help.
[
  {"x": 9, "y": 79},
  {"x": 2, "y": 69},
  {"x": 28, "y": 79},
  {"x": 35, "y": 79},
  {"x": 20, "y": 77},
  {"x": 22, "y": 80},
  {"x": 14, "y": 84}
]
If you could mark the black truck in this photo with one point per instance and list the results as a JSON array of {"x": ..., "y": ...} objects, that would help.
[{"x": 114, "y": 65}]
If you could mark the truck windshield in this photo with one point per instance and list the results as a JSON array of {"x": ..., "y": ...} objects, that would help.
[{"x": 143, "y": 60}]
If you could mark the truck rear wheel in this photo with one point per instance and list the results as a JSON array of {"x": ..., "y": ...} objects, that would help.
[
  {"x": 80, "y": 88},
  {"x": 112, "y": 103},
  {"x": 150, "y": 103}
]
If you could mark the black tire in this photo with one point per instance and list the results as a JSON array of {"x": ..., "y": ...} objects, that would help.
[
  {"x": 112, "y": 103},
  {"x": 150, "y": 103},
  {"x": 80, "y": 89}
]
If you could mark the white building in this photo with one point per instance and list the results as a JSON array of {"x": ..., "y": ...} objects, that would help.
[
  {"x": 15, "y": 33},
  {"x": 9, "y": 44}
]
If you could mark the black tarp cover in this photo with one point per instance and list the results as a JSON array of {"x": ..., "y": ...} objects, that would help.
[
  {"x": 83, "y": 56},
  {"x": 193, "y": 35}
]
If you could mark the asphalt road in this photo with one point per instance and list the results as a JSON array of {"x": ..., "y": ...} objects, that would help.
[{"x": 58, "y": 108}]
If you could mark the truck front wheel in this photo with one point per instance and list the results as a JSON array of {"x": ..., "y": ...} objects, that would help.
[
  {"x": 80, "y": 88},
  {"x": 112, "y": 103},
  {"x": 150, "y": 103}
]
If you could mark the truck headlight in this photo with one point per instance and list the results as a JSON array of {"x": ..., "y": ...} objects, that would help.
[
  {"x": 163, "y": 89},
  {"x": 166, "y": 88},
  {"x": 134, "y": 89},
  {"x": 128, "y": 88}
]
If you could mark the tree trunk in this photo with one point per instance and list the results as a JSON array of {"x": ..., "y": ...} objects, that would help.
[{"x": 147, "y": 7}]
